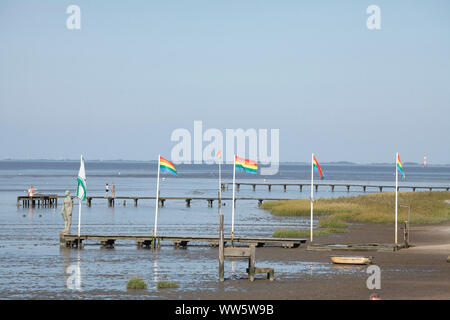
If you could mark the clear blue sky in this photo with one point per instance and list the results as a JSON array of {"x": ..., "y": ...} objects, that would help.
[{"x": 137, "y": 70}]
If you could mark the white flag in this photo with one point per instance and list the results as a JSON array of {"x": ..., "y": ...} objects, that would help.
[{"x": 81, "y": 189}]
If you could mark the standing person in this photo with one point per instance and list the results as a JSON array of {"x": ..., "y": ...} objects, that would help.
[
  {"x": 113, "y": 190},
  {"x": 31, "y": 191},
  {"x": 107, "y": 190}
]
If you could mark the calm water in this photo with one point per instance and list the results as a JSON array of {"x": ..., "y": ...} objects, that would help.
[{"x": 32, "y": 265}]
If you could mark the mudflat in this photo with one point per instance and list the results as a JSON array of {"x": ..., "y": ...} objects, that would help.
[{"x": 419, "y": 272}]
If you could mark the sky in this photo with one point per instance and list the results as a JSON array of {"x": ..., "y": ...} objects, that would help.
[{"x": 137, "y": 70}]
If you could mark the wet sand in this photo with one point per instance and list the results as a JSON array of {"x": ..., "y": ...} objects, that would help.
[{"x": 420, "y": 272}]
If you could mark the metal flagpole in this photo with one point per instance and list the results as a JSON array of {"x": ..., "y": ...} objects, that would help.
[
  {"x": 220, "y": 188},
  {"x": 233, "y": 205},
  {"x": 157, "y": 201},
  {"x": 312, "y": 196},
  {"x": 396, "y": 196},
  {"x": 79, "y": 221}
]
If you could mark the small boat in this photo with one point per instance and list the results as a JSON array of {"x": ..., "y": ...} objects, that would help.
[{"x": 351, "y": 259}]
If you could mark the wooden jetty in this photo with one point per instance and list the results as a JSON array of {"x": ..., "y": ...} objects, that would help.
[
  {"x": 40, "y": 200},
  {"x": 354, "y": 247},
  {"x": 145, "y": 241},
  {"x": 44, "y": 200},
  {"x": 187, "y": 200},
  {"x": 332, "y": 186}
]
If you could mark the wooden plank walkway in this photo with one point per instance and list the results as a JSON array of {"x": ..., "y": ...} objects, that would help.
[
  {"x": 225, "y": 185},
  {"x": 354, "y": 247},
  {"x": 40, "y": 200},
  {"x": 108, "y": 241},
  {"x": 26, "y": 200}
]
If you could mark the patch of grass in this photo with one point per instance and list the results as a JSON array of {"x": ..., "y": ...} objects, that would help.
[
  {"x": 332, "y": 222},
  {"x": 426, "y": 208},
  {"x": 167, "y": 285},
  {"x": 136, "y": 283}
]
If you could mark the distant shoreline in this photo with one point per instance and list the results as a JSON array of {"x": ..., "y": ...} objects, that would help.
[{"x": 287, "y": 163}]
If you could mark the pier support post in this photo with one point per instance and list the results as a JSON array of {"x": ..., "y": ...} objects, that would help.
[
  {"x": 317, "y": 187},
  {"x": 332, "y": 188},
  {"x": 364, "y": 188},
  {"x": 161, "y": 201},
  {"x": 254, "y": 187},
  {"x": 348, "y": 188},
  {"x": 210, "y": 202},
  {"x": 188, "y": 203},
  {"x": 381, "y": 188},
  {"x": 260, "y": 202},
  {"x": 237, "y": 186},
  {"x": 284, "y": 188},
  {"x": 301, "y": 187},
  {"x": 269, "y": 186},
  {"x": 135, "y": 201}
]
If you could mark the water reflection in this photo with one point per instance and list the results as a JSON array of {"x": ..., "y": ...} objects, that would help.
[
  {"x": 73, "y": 270},
  {"x": 155, "y": 268}
]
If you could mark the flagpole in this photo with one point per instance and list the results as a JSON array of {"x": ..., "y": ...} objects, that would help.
[
  {"x": 157, "y": 201},
  {"x": 220, "y": 188},
  {"x": 83, "y": 174},
  {"x": 312, "y": 196},
  {"x": 79, "y": 221},
  {"x": 232, "y": 211},
  {"x": 396, "y": 196}
]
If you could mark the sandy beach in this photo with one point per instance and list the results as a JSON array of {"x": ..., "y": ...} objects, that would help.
[{"x": 419, "y": 272}]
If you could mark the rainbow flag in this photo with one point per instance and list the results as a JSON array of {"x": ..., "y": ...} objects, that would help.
[
  {"x": 167, "y": 166},
  {"x": 400, "y": 166},
  {"x": 245, "y": 165},
  {"x": 316, "y": 166}
]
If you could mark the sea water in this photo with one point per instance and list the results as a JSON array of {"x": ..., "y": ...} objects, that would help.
[{"x": 33, "y": 266}]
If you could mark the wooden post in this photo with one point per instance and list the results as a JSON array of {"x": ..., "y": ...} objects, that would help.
[
  {"x": 405, "y": 233},
  {"x": 251, "y": 263},
  {"x": 221, "y": 249}
]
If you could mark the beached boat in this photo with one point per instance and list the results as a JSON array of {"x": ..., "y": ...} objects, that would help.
[{"x": 351, "y": 259}]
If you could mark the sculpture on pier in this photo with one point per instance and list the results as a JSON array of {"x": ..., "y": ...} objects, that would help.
[{"x": 67, "y": 212}]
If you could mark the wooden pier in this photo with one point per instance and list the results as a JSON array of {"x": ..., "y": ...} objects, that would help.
[
  {"x": 40, "y": 200},
  {"x": 144, "y": 241},
  {"x": 47, "y": 200},
  {"x": 332, "y": 186},
  {"x": 187, "y": 200},
  {"x": 355, "y": 247}
]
